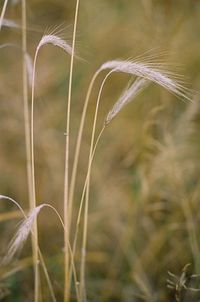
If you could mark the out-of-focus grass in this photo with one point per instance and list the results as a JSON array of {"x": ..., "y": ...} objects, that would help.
[{"x": 144, "y": 204}]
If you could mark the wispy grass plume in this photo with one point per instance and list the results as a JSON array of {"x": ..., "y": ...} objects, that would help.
[
  {"x": 22, "y": 234},
  {"x": 126, "y": 97},
  {"x": 146, "y": 73},
  {"x": 56, "y": 41},
  {"x": 155, "y": 74}
]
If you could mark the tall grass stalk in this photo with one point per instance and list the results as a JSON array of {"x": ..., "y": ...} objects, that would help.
[
  {"x": 33, "y": 192},
  {"x": 135, "y": 69},
  {"x": 78, "y": 142},
  {"x": 85, "y": 223},
  {"x": 67, "y": 210},
  {"x": 131, "y": 67},
  {"x": 81, "y": 206},
  {"x": 26, "y": 110},
  {"x": 75, "y": 163},
  {"x": 87, "y": 182},
  {"x": 30, "y": 154},
  {"x": 58, "y": 42}
]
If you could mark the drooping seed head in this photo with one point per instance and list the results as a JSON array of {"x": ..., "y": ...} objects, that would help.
[
  {"x": 126, "y": 97},
  {"x": 56, "y": 41},
  {"x": 22, "y": 234},
  {"x": 148, "y": 72}
]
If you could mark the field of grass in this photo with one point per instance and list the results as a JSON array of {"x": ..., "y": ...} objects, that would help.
[{"x": 127, "y": 229}]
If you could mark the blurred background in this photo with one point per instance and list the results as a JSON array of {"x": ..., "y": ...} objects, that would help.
[{"x": 144, "y": 212}]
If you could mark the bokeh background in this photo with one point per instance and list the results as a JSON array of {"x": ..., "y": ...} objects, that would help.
[{"x": 144, "y": 212}]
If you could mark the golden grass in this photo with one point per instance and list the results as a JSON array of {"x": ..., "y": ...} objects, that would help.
[{"x": 131, "y": 188}]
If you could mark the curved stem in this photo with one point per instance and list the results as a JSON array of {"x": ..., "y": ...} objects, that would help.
[
  {"x": 40, "y": 253},
  {"x": 81, "y": 203},
  {"x": 85, "y": 223},
  {"x": 78, "y": 144},
  {"x": 70, "y": 252},
  {"x": 75, "y": 164}
]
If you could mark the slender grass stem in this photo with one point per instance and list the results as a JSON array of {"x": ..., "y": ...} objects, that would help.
[
  {"x": 75, "y": 165},
  {"x": 85, "y": 223},
  {"x": 30, "y": 149},
  {"x": 33, "y": 197},
  {"x": 25, "y": 98},
  {"x": 25, "y": 103},
  {"x": 78, "y": 144},
  {"x": 81, "y": 203},
  {"x": 72, "y": 261},
  {"x": 66, "y": 177}
]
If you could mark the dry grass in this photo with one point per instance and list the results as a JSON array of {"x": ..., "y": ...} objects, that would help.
[{"x": 130, "y": 177}]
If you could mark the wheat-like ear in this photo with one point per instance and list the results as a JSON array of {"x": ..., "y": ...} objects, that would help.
[
  {"x": 22, "y": 234},
  {"x": 56, "y": 41},
  {"x": 147, "y": 71},
  {"x": 126, "y": 97}
]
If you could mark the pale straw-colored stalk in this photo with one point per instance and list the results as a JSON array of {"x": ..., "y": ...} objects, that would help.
[
  {"x": 67, "y": 211},
  {"x": 129, "y": 94},
  {"x": 81, "y": 205},
  {"x": 136, "y": 69},
  {"x": 56, "y": 41},
  {"x": 14, "y": 202},
  {"x": 25, "y": 104},
  {"x": 78, "y": 142},
  {"x": 30, "y": 166},
  {"x": 124, "y": 99},
  {"x": 85, "y": 220}
]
